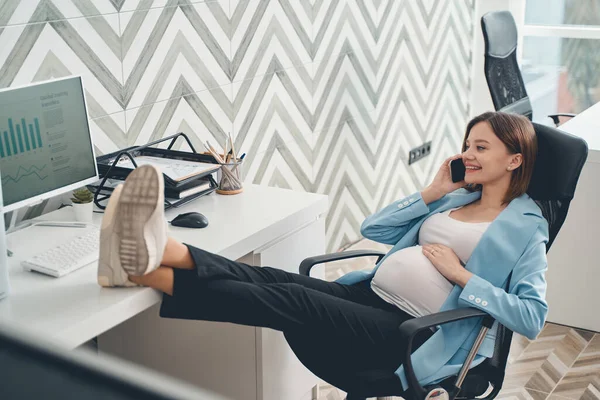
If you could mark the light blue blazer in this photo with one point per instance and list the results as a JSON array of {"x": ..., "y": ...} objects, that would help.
[{"x": 514, "y": 242}]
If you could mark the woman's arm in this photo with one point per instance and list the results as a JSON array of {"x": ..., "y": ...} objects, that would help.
[
  {"x": 392, "y": 222},
  {"x": 524, "y": 310}
]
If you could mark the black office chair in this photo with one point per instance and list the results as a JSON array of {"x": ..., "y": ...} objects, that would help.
[
  {"x": 559, "y": 162},
  {"x": 502, "y": 72}
]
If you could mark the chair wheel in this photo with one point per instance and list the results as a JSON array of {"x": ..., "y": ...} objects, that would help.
[{"x": 437, "y": 393}]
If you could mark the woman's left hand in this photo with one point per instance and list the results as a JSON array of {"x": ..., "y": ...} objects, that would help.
[{"x": 447, "y": 263}]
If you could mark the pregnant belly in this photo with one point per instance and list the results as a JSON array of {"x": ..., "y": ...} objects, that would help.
[{"x": 409, "y": 275}]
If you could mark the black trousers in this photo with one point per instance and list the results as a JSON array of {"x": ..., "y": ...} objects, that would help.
[{"x": 346, "y": 333}]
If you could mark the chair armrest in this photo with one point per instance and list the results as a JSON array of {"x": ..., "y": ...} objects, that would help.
[
  {"x": 410, "y": 328},
  {"x": 555, "y": 117},
  {"x": 307, "y": 264}
]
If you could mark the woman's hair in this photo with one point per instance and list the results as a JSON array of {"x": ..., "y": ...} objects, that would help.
[{"x": 518, "y": 135}]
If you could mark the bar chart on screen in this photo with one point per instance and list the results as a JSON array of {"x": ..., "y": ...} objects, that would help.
[
  {"x": 20, "y": 137},
  {"x": 28, "y": 155}
]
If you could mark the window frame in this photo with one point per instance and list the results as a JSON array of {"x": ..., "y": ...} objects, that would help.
[
  {"x": 561, "y": 31},
  {"x": 518, "y": 9}
]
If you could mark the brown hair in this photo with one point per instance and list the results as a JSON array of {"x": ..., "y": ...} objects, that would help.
[{"x": 518, "y": 135}]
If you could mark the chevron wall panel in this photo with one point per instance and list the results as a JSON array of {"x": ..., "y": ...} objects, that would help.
[
  {"x": 323, "y": 96},
  {"x": 391, "y": 75}
]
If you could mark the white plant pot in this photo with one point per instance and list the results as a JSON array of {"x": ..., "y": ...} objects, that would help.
[{"x": 83, "y": 212}]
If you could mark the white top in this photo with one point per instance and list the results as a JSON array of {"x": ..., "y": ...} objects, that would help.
[
  {"x": 73, "y": 309},
  {"x": 409, "y": 280}
]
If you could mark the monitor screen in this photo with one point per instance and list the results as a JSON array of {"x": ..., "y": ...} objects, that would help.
[{"x": 46, "y": 147}]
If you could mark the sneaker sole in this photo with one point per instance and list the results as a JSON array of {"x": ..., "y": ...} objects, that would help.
[
  {"x": 140, "y": 197},
  {"x": 108, "y": 273}
]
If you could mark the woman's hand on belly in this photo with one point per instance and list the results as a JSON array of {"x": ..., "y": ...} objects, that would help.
[{"x": 447, "y": 263}]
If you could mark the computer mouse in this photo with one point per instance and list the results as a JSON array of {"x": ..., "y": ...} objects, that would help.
[{"x": 190, "y": 220}]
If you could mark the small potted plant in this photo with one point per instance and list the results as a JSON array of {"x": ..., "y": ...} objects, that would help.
[{"x": 82, "y": 204}]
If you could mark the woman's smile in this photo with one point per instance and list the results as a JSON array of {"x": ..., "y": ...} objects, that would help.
[{"x": 471, "y": 168}]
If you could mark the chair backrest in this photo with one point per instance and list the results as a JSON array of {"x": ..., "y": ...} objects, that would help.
[
  {"x": 501, "y": 68},
  {"x": 559, "y": 162}
]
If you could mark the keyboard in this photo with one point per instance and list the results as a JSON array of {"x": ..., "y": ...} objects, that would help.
[{"x": 68, "y": 256}]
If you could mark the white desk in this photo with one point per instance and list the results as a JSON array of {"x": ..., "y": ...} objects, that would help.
[
  {"x": 262, "y": 226},
  {"x": 573, "y": 261}
]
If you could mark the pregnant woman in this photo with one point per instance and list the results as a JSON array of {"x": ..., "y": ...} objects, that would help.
[{"x": 455, "y": 245}]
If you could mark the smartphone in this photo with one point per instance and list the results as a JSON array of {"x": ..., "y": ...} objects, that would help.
[{"x": 457, "y": 170}]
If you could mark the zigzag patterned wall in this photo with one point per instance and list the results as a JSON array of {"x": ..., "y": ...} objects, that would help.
[{"x": 323, "y": 96}]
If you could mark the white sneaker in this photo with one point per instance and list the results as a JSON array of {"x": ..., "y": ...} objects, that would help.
[
  {"x": 134, "y": 230},
  {"x": 110, "y": 272}
]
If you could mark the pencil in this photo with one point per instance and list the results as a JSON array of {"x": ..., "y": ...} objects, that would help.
[
  {"x": 232, "y": 148},
  {"x": 214, "y": 153}
]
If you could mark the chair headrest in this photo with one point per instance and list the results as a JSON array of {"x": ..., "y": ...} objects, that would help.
[
  {"x": 499, "y": 33},
  {"x": 521, "y": 107},
  {"x": 558, "y": 164}
]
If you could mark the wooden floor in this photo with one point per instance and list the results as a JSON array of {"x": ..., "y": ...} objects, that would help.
[{"x": 562, "y": 363}]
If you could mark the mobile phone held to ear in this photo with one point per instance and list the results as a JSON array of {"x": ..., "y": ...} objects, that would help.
[{"x": 457, "y": 170}]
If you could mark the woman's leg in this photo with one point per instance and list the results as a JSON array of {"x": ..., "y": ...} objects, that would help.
[
  {"x": 348, "y": 338},
  {"x": 279, "y": 306},
  {"x": 360, "y": 371},
  {"x": 177, "y": 255},
  {"x": 321, "y": 328},
  {"x": 209, "y": 266}
]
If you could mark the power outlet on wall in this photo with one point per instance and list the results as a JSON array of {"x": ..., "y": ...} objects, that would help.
[{"x": 419, "y": 152}]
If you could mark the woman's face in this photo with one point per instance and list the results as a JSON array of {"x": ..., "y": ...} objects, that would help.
[{"x": 486, "y": 157}]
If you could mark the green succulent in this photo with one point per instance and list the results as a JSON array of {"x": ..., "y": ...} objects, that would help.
[{"x": 82, "y": 196}]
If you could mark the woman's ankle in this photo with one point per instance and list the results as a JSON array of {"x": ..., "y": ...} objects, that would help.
[
  {"x": 177, "y": 255},
  {"x": 138, "y": 280},
  {"x": 161, "y": 279}
]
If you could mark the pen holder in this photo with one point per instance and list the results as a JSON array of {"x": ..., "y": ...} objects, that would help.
[{"x": 230, "y": 181}]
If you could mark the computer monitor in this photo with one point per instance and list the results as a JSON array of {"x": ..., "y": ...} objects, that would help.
[
  {"x": 46, "y": 148},
  {"x": 31, "y": 369}
]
